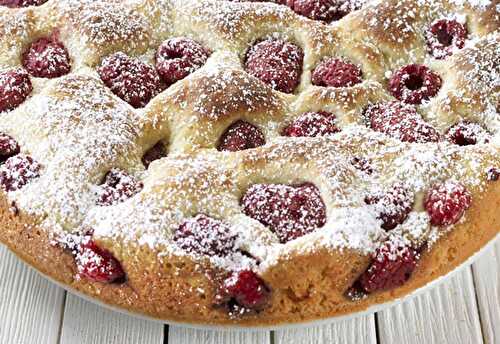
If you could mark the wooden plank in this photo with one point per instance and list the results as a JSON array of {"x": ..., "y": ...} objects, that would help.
[
  {"x": 30, "y": 306},
  {"x": 180, "y": 335},
  {"x": 85, "y": 322},
  {"x": 486, "y": 273},
  {"x": 359, "y": 330},
  {"x": 445, "y": 314}
]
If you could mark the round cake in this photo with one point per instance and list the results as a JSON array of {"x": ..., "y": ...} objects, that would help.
[{"x": 248, "y": 162}]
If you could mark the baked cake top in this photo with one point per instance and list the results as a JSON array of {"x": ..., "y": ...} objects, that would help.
[{"x": 244, "y": 132}]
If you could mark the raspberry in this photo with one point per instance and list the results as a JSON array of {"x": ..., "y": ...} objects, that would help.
[
  {"x": 289, "y": 211},
  {"x": 156, "y": 152},
  {"x": 132, "y": 80},
  {"x": 47, "y": 58},
  {"x": 362, "y": 164},
  {"x": 393, "y": 207},
  {"x": 18, "y": 171},
  {"x": 8, "y": 147},
  {"x": 15, "y": 87},
  {"x": 176, "y": 58},
  {"x": 276, "y": 63},
  {"x": 444, "y": 36},
  {"x": 240, "y": 136},
  {"x": 206, "y": 236},
  {"x": 446, "y": 203},
  {"x": 312, "y": 124},
  {"x": 334, "y": 72},
  {"x": 118, "y": 187},
  {"x": 391, "y": 267},
  {"x": 493, "y": 174},
  {"x": 466, "y": 133},
  {"x": 324, "y": 10},
  {"x": 247, "y": 290},
  {"x": 22, "y": 3},
  {"x": 98, "y": 264},
  {"x": 401, "y": 122},
  {"x": 414, "y": 83}
]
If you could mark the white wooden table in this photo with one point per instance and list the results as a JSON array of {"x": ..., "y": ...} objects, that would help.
[{"x": 465, "y": 309}]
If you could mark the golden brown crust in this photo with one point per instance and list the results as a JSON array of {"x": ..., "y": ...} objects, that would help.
[{"x": 305, "y": 287}]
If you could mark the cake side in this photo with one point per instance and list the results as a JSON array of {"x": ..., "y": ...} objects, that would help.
[{"x": 305, "y": 287}]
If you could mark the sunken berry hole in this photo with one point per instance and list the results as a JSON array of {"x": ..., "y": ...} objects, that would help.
[
  {"x": 493, "y": 174},
  {"x": 414, "y": 82},
  {"x": 158, "y": 151}
]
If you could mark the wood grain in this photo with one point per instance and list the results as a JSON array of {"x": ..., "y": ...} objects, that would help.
[
  {"x": 446, "y": 314},
  {"x": 180, "y": 335},
  {"x": 359, "y": 330},
  {"x": 30, "y": 306},
  {"x": 486, "y": 273},
  {"x": 85, "y": 322}
]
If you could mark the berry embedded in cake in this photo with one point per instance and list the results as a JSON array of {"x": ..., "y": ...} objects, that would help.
[
  {"x": 277, "y": 63},
  {"x": 248, "y": 163},
  {"x": 15, "y": 87},
  {"x": 131, "y": 79},
  {"x": 176, "y": 58},
  {"x": 47, "y": 58}
]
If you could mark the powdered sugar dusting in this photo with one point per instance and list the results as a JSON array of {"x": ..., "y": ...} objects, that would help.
[{"x": 78, "y": 131}]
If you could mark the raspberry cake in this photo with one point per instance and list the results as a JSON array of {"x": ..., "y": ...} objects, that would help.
[{"x": 248, "y": 163}]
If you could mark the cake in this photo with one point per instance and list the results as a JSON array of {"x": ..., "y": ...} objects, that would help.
[{"x": 248, "y": 163}]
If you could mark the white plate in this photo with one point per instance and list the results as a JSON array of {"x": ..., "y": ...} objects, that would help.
[{"x": 370, "y": 310}]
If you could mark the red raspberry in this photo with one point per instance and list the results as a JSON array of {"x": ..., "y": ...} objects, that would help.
[
  {"x": 444, "y": 36},
  {"x": 15, "y": 87},
  {"x": 240, "y": 136},
  {"x": 362, "y": 164},
  {"x": 8, "y": 147},
  {"x": 393, "y": 207},
  {"x": 22, "y": 3},
  {"x": 400, "y": 121},
  {"x": 414, "y": 83},
  {"x": 97, "y": 264},
  {"x": 289, "y": 211},
  {"x": 132, "y": 80},
  {"x": 156, "y": 152},
  {"x": 493, "y": 174},
  {"x": 446, "y": 203},
  {"x": 312, "y": 124},
  {"x": 118, "y": 187},
  {"x": 176, "y": 58},
  {"x": 391, "y": 267},
  {"x": 206, "y": 236},
  {"x": 247, "y": 290},
  {"x": 334, "y": 72},
  {"x": 47, "y": 58},
  {"x": 276, "y": 63},
  {"x": 467, "y": 133},
  {"x": 324, "y": 10},
  {"x": 18, "y": 171}
]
